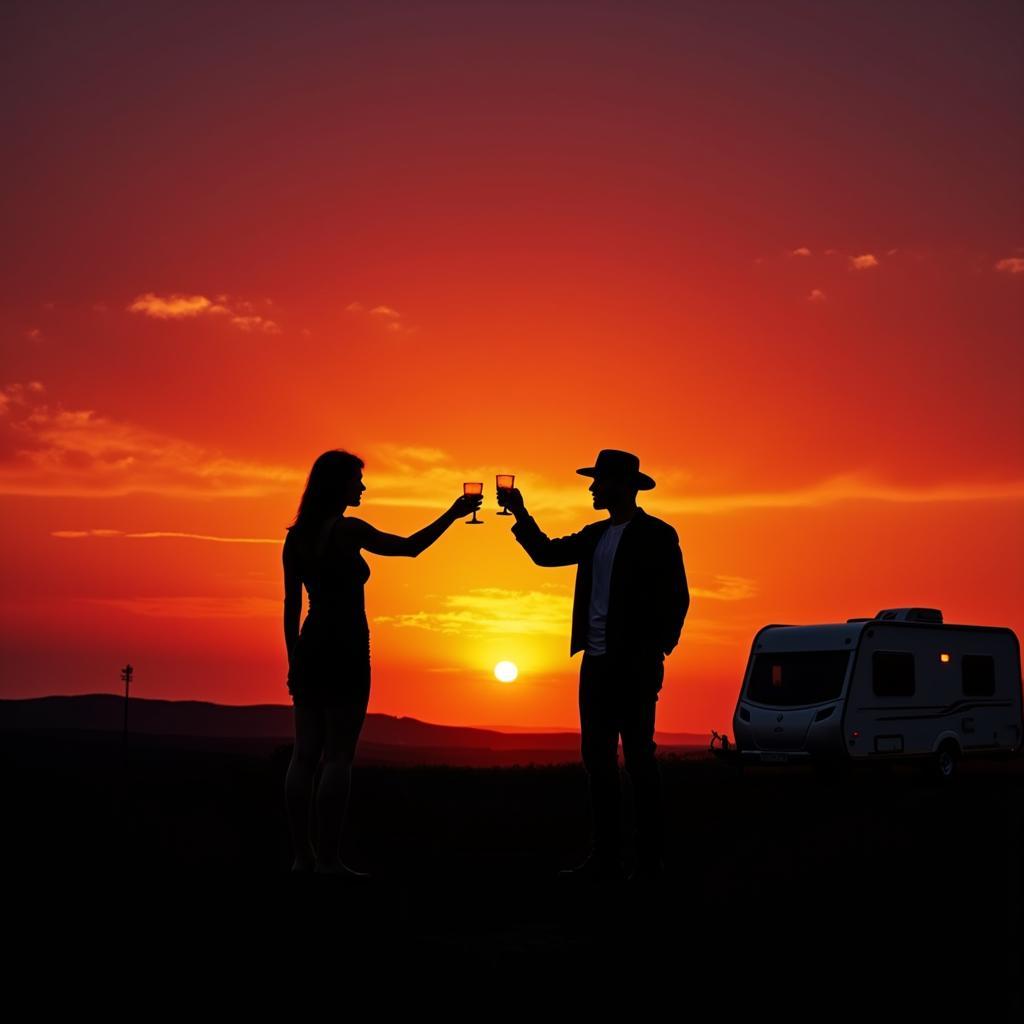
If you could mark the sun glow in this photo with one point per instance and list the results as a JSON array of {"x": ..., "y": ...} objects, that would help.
[{"x": 505, "y": 671}]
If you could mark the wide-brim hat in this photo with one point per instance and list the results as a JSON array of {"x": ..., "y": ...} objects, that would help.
[{"x": 613, "y": 464}]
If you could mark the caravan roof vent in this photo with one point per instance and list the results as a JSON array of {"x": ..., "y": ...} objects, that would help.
[{"x": 910, "y": 614}]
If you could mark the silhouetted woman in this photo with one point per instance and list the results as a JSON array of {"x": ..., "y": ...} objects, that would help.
[{"x": 329, "y": 659}]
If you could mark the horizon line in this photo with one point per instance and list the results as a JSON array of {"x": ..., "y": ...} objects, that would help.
[{"x": 513, "y": 729}]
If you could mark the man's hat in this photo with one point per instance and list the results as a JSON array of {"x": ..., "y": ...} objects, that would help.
[{"x": 618, "y": 465}]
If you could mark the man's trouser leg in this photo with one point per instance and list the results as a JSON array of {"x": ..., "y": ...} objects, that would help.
[
  {"x": 600, "y": 742},
  {"x": 638, "y": 749}
]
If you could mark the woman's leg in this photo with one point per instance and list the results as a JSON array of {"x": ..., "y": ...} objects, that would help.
[
  {"x": 343, "y": 725},
  {"x": 298, "y": 783}
]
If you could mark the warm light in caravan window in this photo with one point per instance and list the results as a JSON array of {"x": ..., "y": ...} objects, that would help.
[{"x": 943, "y": 658}]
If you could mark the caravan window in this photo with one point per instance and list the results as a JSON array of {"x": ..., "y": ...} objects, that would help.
[
  {"x": 978, "y": 672},
  {"x": 892, "y": 673},
  {"x": 795, "y": 678}
]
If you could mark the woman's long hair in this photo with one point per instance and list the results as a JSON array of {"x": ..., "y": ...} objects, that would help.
[{"x": 329, "y": 479}]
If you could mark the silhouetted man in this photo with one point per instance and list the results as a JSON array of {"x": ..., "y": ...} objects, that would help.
[{"x": 628, "y": 610}]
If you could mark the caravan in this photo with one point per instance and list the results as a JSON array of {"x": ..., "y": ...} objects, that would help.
[{"x": 901, "y": 685}]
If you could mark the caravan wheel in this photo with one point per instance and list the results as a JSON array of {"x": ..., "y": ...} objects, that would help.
[{"x": 946, "y": 762}]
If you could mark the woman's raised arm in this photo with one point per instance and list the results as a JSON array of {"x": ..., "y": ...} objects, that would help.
[{"x": 379, "y": 543}]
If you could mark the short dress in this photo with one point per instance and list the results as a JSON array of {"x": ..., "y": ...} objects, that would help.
[{"x": 330, "y": 665}]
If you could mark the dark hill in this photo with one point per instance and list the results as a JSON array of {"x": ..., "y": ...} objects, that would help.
[{"x": 102, "y": 712}]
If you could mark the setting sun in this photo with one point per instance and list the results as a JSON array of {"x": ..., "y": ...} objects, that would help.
[{"x": 505, "y": 671}]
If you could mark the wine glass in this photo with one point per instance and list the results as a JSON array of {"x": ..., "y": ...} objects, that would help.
[
  {"x": 473, "y": 489},
  {"x": 505, "y": 481}
]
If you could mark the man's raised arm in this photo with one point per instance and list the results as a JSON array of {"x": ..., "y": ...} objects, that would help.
[{"x": 543, "y": 549}]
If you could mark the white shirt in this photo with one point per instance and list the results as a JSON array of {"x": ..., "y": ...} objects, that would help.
[{"x": 604, "y": 556}]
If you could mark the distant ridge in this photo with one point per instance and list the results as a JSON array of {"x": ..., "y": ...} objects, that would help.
[{"x": 104, "y": 712}]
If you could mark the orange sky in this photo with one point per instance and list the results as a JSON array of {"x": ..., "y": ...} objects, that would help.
[{"x": 778, "y": 253}]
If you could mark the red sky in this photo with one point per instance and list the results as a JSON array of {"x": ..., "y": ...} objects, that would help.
[{"x": 776, "y": 250}]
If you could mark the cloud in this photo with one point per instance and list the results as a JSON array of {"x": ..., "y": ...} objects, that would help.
[
  {"x": 729, "y": 588},
  {"x": 428, "y": 486},
  {"x": 407, "y": 457},
  {"x": 154, "y": 534},
  {"x": 408, "y": 477},
  {"x": 47, "y": 450},
  {"x": 844, "y": 487},
  {"x": 816, "y": 295},
  {"x": 802, "y": 251},
  {"x": 431, "y": 489},
  {"x": 87, "y": 533},
  {"x": 708, "y": 632},
  {"x": 178, "y": 307},
  {"x": 18, "y": 395},
  {"x": 192, "y": 607},
  {"x": 863, "y": 262},
  {"x": 414, "y": 476},
  {"x": 1013, "y": 265},
  {"x": 174, "y": 307},
  {"x": 386, "y": 316},
  {"x": 255, "y": 323},
  {"x": 492, "y": 611}
]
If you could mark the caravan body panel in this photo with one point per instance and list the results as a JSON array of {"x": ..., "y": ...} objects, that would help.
[
  {"x": 870, "y": 689},
  {"x": 915, "y": 685},
  {"x": 791, "y": 700}
]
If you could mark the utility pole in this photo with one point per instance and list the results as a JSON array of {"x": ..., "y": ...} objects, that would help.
[{"x": 126, "y": 678}]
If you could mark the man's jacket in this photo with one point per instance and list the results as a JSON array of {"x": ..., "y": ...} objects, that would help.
[{"x": 647, "y": 597}]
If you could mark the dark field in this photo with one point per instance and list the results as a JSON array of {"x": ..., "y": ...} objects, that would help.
[{"x": 876, "y": 889}]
